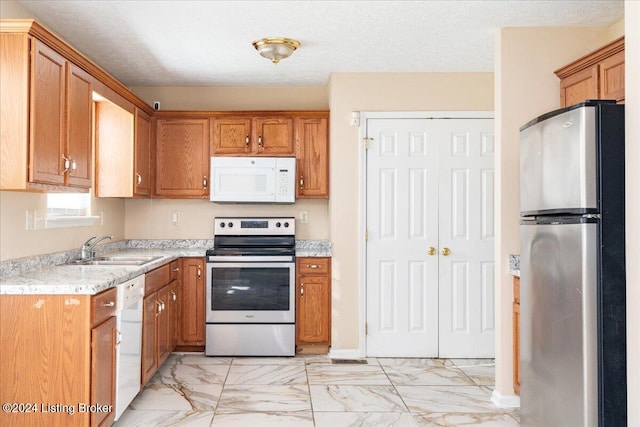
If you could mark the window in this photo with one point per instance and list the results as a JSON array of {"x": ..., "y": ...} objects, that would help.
[{"x": 69, "y": 210}]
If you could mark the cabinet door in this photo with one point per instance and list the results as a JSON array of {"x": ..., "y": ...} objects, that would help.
[
  {"x": 142, "y": 155},
  {"x": 312, "y": 152},
  {"x": 274, "y": 136},
  {"x": 231, "y": 136},
  {"x": 579, "y": 87},
  {"x": 103, "y": 370},
  {"x": 149, "y": 337},
  {"x": 313, "y": 310},
  {"x": 46, "y": 141},
  {"x": 173, "y": 311},
  {"x": 182, "y": 167},
  {"x": 611, "y": 73},
  {"x": 192, "y": 319},
  {"x": 79, "y": 126},
  {"x": 163, "y": 325}
]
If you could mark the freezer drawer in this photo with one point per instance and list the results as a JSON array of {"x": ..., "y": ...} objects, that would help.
[{"x": 558, "y": 333}]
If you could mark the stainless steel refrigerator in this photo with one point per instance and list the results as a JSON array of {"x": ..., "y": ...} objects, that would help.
[{"x": 572, "y": 266}]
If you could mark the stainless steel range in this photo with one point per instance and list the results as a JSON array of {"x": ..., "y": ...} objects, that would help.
[{"x": 251, "y": 288}]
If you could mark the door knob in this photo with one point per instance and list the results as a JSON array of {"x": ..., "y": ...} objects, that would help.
[
  {"x": 445, "y": 251},
  {"x": 431, "y": 250}
]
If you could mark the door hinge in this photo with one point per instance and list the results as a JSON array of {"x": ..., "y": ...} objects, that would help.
[
  {"x": 366, "y": 328},
  {"x": 366, "y": 141},
  {"x": 366, "y": 235}
]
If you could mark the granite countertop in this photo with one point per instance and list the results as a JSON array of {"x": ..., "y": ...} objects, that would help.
[
  {"x": 514, "y": 265},
  {"x": 52, "y": 275}
]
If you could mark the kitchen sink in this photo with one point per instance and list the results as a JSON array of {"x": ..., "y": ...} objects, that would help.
[{"x": 116, "y": 260}]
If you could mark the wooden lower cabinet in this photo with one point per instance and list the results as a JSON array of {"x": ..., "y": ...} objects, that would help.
[
  {"x": 103, "y": 366},
  {"x": 313, "y": 302},
  {"x": 516, "y": 335},
  {"x": 158, "y": 319},
  {"x": 191, "y": 333},
  {"x": 58, "y": 359}
]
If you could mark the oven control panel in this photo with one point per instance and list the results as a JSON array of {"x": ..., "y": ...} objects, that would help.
[{"x": 254, "y": 226}]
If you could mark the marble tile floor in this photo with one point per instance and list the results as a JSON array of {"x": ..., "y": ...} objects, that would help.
[{"x": 193, "y": 390}]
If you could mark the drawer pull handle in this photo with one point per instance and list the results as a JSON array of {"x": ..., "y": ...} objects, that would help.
[
  {"x": 246, "y": 141},
  {"x": 108, "y": 304},
  {"x": 175, "y": 270},
  {"x": 313, "y": 266},
  {"x": 173, "y": 295},
  {"x": 199, "y": 272},
  {"x": 302, "y": 289}
]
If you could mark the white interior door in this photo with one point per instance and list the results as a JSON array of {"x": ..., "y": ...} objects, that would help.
[
  {"x": 429, "y": 190},
  {"x": 466, "y": 232},
  {"x": 402, "y": 208}
]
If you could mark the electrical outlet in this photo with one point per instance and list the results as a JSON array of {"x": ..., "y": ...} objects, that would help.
[
  {"x": 175, "y": 217},
  {"x": 304, "y": 217}
]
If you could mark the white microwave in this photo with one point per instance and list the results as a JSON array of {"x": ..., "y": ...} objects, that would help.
[{"x": 253, "y": 179}]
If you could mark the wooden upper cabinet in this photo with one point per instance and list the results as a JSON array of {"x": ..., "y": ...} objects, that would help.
[
  {"x": 61, "y": 121},
  {"x": 114, "y": 136},
  {"x": 598, "y": 75},
  {"x": 47, "y": 118},
  {"x": 79, "y": 126},
  {"x": 232, "y": 136},
  {"x": 274, "y": 136},
  {"x": 257, "y": 136},
  {"x": 142, "y": 156},
  {"x": 182, "y": 158},
  {"x": 312, "y": 153},
  {"x": 611, "y": 77}
]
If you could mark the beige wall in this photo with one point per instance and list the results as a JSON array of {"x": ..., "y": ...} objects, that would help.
[
  {"x": 237, "y": 98},
  {"x": 525, "y": 88},
  {"x": 151, "y": 219},
  {"x": 632, "y": 153},
  {"x": 16, "y": 242},
  {"x": 377, "y": 92}
]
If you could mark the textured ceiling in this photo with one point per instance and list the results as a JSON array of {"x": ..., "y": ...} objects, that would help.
[{"x": 208, "y": 43}]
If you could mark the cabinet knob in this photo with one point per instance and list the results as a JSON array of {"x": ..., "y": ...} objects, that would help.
[
  {"x": 445, "y": 251},
  {"x": 175, "y": 270},
  {"x": 199, "y": 272},
  {"x": 431, "y": 250},
  {"x": 205, "y": 182},
  {"x": 301, "y": 182},
  {"x": 173, "y": 295},
  {"x": 260, "y": 141}
]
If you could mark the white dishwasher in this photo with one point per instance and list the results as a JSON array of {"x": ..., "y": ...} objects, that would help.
[{"x": 129, "y": 351}]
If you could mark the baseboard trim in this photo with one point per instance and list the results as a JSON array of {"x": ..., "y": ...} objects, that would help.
[
  {"x": 501, "y": 401},
  {"x": 345, "y": 354}
]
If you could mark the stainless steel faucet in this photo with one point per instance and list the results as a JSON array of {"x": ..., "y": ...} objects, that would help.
[{"x": 87, "y": 251}]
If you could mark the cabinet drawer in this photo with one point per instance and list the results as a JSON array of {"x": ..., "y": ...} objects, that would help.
[
  {"x": 155, "y": 279},
  {"x": 174, "y": 270},
  {"x": 103, "y": 306},
  {"x": 313, "y": 265}
]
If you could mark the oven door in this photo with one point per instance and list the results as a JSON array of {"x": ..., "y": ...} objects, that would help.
[{"x": 251, "y": 292}]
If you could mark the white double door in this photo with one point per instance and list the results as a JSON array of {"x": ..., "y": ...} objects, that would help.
[{"x": 430, "y": 235}]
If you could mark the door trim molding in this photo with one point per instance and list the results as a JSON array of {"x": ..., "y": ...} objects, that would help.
[{"x": 362, "y": 189}]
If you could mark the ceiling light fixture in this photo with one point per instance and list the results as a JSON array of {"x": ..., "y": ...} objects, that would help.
[{"x": 276, "y": 48}]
